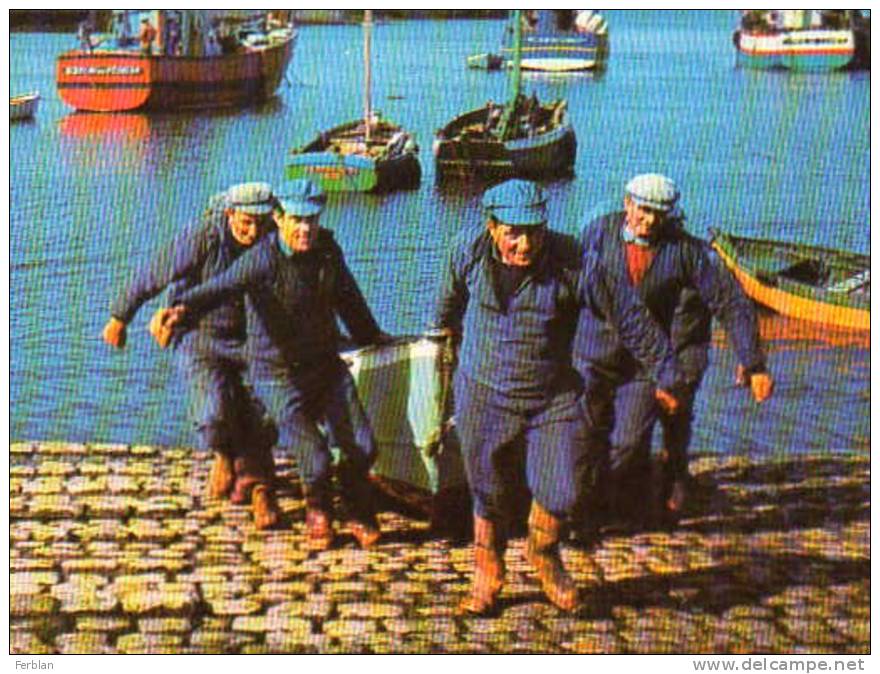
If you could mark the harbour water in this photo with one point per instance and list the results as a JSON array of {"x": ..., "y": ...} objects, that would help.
[{"x": 759, "y": 153}]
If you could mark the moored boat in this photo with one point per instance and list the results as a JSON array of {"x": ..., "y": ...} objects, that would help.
[
  {"x": 804, "y": 40},
  {"x": 177, "y": 74},
  {"x": 810, "y": 283},
  {"x": 404, "y": 388},
  {"x": 522, "y": 138},
  {"x": 367, "y": 155},
  {"x": 561, "y": 40},
  {"x": 23, "y": 106}
]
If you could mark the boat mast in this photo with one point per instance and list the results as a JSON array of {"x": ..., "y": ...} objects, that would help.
[
  {"x": 515, "y": 77},
  {"x": 368, "y": 112}
]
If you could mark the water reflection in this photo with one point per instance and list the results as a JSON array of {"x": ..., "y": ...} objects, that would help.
[{"x": 134, "y": 127}]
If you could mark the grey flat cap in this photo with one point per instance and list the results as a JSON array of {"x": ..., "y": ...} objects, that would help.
[
  {"x": 252, "y": 198},
  {"x": 654, "y": 191}
]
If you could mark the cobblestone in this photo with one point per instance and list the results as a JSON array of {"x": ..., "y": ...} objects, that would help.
[{"x": 115, "y": 550}]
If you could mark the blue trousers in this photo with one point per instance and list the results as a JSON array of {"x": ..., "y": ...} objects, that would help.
[
  {"x": 317, "y": 407},
  {"x": 493, "y": 431},
  {"x": 225, "y": 414}
]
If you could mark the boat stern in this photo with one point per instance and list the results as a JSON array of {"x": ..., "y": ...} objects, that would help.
[{"x": 105, "y": 82}]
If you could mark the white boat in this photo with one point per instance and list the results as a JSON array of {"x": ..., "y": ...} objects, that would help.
[
  {"x": 806, "y": 40},
  {"x": 24, "y": 106},
  {"x": 405, "y": 390}
]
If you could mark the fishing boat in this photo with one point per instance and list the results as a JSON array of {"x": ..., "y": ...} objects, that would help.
[
  {"x": 561, "y": 40},
  {"x": 24, "y": 106},
  {"x": 810, "y": 283},
  {"x": 371, "y": 154},
  {"x": 555, "y": 41},
  {"x": 523, "y": 138},
  {"x": 194, "y": 62},
  {"x": 404, "y": 387},
  {"x": 796, "y": 39}
]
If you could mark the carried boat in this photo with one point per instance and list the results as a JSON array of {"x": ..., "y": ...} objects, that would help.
[
  {"x": 371, "y": 154},
  {"x": 194, "y": 62},
  {"x": 23, "y": 106},
  {"x": 796, "y": 39},
  {"x": 810, "y": 283},
  {"x": 524, "y": 138},
  {"x": 405, "y": 390}
]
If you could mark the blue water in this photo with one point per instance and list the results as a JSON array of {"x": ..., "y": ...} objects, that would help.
[{"x": 770, "y": 154}]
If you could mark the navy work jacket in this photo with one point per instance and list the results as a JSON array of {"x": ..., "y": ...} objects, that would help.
[
  {"x": 523, "y": 350},
  {"x": 682, "y": 282},
  {"x": 293, "y": 301},
  {"x": 199, "y": 252}
]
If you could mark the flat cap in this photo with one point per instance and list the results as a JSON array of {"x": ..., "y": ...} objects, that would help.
[
  {"x": 654, "y": 191},
  {"x": 516, "y": 202},
  {"x": 252, "y": 198},
  {"x": 303, "y": 199}
]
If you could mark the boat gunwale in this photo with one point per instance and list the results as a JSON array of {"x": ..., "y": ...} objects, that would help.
[{"x": 849, "y": 300}]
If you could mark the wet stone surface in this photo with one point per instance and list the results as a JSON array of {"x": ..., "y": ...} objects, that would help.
[{"x": 115, "y": 549}]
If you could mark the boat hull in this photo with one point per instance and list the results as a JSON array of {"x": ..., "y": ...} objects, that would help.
[
  {"x": 404, "y": 388},
  {"x": 766, "y": 271},
  {"x": 340, "y": 161},
  {"x": 463, "y": 156},
  {"x": 23, "y": 107},
  {"x": 118, "y": 81},
  {"x": 354, "y": 173},
  {"x": 559, "y": 54},
  {"x": 803, "y": 50}
]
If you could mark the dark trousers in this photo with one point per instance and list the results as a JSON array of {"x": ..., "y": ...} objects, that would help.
[
  {"x": 226, "y": 415},
  {"x": 316, "y": 408},
  {"x": 493, "y": 431},
  {"x": 621, "y": 420}
]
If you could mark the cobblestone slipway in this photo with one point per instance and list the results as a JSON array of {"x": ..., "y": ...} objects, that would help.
[{"x": 114, "y": 550}]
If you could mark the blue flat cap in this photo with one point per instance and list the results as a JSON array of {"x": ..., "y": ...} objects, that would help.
[
  {"x": 303, "y": 199},
  {"x": 516, "y": 202},
  {"x": 654, "y": 191},
  {"x": 252, "y": 198}
]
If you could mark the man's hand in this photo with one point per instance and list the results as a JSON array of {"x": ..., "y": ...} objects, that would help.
[
  {"x": 114, "y": 333},
  {"x": 668, "y": 402},
  {"x": 382, "y": 338},
  {"x": 761, "y": 384},
  {"x": 163, "y": 322}
]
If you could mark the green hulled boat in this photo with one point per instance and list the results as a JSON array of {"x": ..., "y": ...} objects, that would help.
[{"x": 367, "y": 155}]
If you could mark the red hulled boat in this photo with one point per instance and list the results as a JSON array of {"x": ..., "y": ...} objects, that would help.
[{"x": 245, "y": 71}]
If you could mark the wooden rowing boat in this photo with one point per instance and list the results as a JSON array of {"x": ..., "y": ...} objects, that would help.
[
  {"x": 367, "y": 155},
  {"x": 810, "y": 283},
  {"x": 524, "y": 138}
]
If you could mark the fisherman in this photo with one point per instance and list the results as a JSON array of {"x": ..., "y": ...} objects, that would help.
[
  {"x": 84, "y": 33},
  {"x": 296, "y": 283},
  {"x": 146, "y": 36},
  {"x": 644, "y": 247},
  {"x": 227, "y": 418},
  {"x": 512, "y": 296}
]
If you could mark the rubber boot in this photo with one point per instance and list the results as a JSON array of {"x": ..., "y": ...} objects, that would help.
[
  {"x": 489, "y": 546},
  {"x": 265, "y": 507},
  {"x": 319, "y": 525},
  {"x": 361, "y": 519},
  {"x": 542, "y": 552},
  {"x": 221, "y": 479},
  {"x": 674, "y": 486}
]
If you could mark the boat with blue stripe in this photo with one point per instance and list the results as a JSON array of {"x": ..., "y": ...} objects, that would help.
[{"x": 560, "y": 40}]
